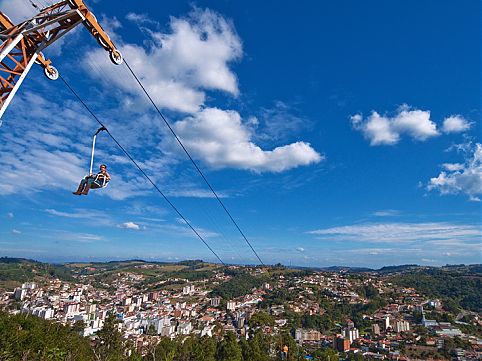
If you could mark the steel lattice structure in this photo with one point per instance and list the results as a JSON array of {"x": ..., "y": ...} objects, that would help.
[{"x": 22, "y": 44}]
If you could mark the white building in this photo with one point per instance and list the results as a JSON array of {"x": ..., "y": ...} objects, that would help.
[
  {"x": 42, "y": 312},
  {"x": 302, "y": 335},
  {"x": 402, "y": 326},
  {"x": 29, "y": 285},
  {"x": 187, "y": 290},
  {"x": 207, "y": 331},
  {"x": 215, "y": 301},
  {"x": 127, "y": 301},
  {"x": 159, "y": 323},
  {"x": 231, "y": 305},
  {"x": 168, "y": 331},
  {"x": 350, "y": 333},
  {"x": 71, "y": 309},
  {"x": 184, "y": 328},
  {"x": 20, "y": 293},
  {"x": 386, "y": 322}
]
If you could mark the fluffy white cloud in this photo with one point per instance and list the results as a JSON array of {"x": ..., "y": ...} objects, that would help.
[
  {"x": 130, "y": 225},
  {"x": 455, "y": 124},
  {"x": 461, "y": 178},
  {"x": 221, "y": 139},
  {"x": 401, "y": 232},
  {"x": 385, "y": 130},
  {"x": 16, "y": 231},
  {"x": 177, "y": 65}
]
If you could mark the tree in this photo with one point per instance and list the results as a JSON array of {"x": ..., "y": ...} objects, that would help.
[
  {"x": 204, "y": 349},
  {"x": 326, "y": 355},
  {"x": 229, "y": 349},
  {"x": 260, "y": 319},
  {"x": 184, "y": 349},
  {"x": 151, "y": 331},
  {"x": 78, "y": 327},
  {"x": 166, "y": 350},
  {"x": 109, "y": 344}
]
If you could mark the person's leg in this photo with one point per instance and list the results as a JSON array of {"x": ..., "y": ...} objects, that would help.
[
  {"x": 87, "y": 186},
  {"x": 79, "y": 190}
]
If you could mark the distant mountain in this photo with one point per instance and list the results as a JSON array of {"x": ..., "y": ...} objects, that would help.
[{"x": 474, "y": 269}]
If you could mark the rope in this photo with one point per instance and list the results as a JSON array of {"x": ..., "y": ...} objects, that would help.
[
  {"x": 193, "y": 162},
  {"x": 140, "y": 169}
]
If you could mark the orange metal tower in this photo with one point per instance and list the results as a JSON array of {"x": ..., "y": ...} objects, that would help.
[{"x": 22, "y": 44}]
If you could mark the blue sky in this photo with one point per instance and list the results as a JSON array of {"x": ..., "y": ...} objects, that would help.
[{"x": 337, "y": 133}]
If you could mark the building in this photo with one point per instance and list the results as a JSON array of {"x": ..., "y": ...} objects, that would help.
[
  {"x": 158, "y": 323},
  {"x": 428, "y": 323},
  {"x": 153, "y": 296},
  {"x": 231, "y": 305},
  {"x": 20, "y": 293},
  {"x": 350, "y": 333},
  {"x": 187, "y": 290},
  {"x": 215, "y": 301},
  {"x": 127, "y": 301},
  {"x": 90, "y": 308},
  {"x": 184, "y": 328},
  {"x": 71, "y": 308},
  {"x": 341, "y": 344},
  {"x": 386, "y": 322},
  {"x": 376, "y": 329},
  {"x": 302, "y": 335},
  {"x": 29, "y": 285},
  {"x": 401, "y": 326}
]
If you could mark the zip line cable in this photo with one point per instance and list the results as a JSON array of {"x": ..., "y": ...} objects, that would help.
[
  {"x": 192, "y": 161},
  {"x": 141, "y": 170},
  {"x": 225, "y": 243}
]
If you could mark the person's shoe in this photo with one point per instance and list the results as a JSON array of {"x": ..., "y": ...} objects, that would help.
[{"x": 77, "y": 193}]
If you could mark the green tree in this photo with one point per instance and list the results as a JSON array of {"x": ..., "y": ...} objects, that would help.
[
  {"x": 166, "y": 350},
  {"x": 24, "y": 337},
  {"x": 229, "y": 349},
  {"x": 204, "y": 349},
  {"x": 184, "y": 349},
  {"x": 109, "y": 343},
  {"x": 78, "y": 327},
  {"x": 151, "y": 331},
  {"x": 260, "y": 319}
]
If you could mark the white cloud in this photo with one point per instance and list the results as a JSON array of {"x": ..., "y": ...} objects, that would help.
[
  {"x": 140, "y": 19},
  {"x": 222, "y": 140},
  {"x": 10, "y": 215},
  {"x": 453, "y": 167},
  {"x": 16, "y": 231},
  {"x": 178, "y": 65},
  {"x": 130, "y": 225},
  {"x": 455, "y": 124},
  {"x": 385, "y": 130},
  {"x": 80, "y": 237},
  {"x": 387, "y": 213},
  {"x": 461, "y": 178},
  {"x": 300, "y": 249},
  {"x": 401, "y": 232}
]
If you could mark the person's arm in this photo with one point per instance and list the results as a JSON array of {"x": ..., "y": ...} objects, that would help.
[{"x": 107, "y": 175}]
